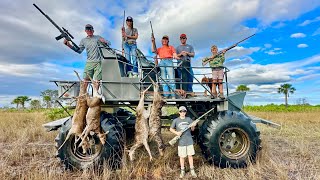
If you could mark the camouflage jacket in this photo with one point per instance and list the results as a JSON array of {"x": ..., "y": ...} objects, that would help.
[{"x": 216, "y": 61}]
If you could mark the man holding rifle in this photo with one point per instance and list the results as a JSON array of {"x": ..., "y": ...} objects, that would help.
[
  {"x": 94, "y": 55},
  {"x": 185, "y": 146}
]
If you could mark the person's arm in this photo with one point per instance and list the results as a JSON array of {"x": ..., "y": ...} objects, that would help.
[
  {"x": 191, "y": 53},
  {"x": 153, "y": 46},
  {"x": 173, "y": 130},
  {"x": 174, "y": 54},
  {"x": 101, "y": 39},
  {"x": 81, "y": 46},
  {"x": 135, "y": 36},
  {"x": 178, "y": 133}
]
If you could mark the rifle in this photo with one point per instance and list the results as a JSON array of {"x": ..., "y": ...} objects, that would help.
[
  {"x": 154, "y": 44},
  {"x": 227, "y": 49},
  {"x": 124, "y": 17},
  {"x": 176, "y": 138},
  {"x": 64, "y": 32}
]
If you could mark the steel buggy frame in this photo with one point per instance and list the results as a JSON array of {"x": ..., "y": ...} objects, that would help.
[{"x": 227, "y": 136}]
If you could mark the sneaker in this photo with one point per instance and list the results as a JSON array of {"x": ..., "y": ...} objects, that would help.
[
  {"x": 173, "y": 97},
  {"x": 182, "y": 173},
  {"x": 221, "y": 96},
  {"x": 193, "y": 173},
  {"x": 134, "y": 75}
]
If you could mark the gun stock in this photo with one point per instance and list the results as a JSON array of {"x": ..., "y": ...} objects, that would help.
[{"x": 64, "y": 32}]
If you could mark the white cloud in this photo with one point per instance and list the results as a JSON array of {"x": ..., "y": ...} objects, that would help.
[
  {"x": 307, "y": 22},
  {"x": 316, "y": 32},
  {"x": 274, "y": 51},
  {"x": 267, "y": 45},
  {"x": 302, "y": 45},
  {"x": 298, "y": 35}
]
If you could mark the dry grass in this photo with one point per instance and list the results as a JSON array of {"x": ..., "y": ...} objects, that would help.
[{"x": 27, "y": 152}]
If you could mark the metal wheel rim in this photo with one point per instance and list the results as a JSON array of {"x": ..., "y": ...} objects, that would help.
[
  {"x": 93, "y": 151},
  {"x": 234, "y": 143}
]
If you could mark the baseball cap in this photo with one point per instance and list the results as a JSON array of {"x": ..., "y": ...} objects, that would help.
[
  {"x": 183, "y": 35},
  {"x": 129, "y": 18},
  {"x": 88, "y": 26},
  {"x": 182, "y": 108},
  {"x": 165, "y": 37}
]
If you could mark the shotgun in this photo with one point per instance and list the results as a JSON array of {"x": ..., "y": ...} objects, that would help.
[
  {"x": 194, "y": 123},
  {"x": 227, "y": 49}
]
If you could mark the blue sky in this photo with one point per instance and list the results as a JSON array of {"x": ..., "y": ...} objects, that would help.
[{"x": 284, "y": 50}]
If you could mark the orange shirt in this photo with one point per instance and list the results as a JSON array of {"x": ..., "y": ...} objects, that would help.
[{"x": 166, "y": 52}]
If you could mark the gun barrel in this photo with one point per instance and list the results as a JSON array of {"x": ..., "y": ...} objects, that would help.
[{"x": 45, "y": 15}]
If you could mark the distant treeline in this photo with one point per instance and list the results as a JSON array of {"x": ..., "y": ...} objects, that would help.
[{"x": 282, "y": 108}]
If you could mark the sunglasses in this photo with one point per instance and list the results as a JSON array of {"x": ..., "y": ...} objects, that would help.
[
  {"x": 183, "y": 38},
  {"x": 182, "y": 111},
  {"x": 89, "y": 29}
]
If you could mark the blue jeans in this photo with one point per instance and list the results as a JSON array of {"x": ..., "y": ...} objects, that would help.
[
  {"x": 186, "y": 77},
  {"x": 131, "y": 56},
  {"x": 190, "y": 79},
  {"x": 167, "y": 74}
]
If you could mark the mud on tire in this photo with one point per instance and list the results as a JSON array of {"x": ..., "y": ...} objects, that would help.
[
  {"x": 110, "y": 153},
  {"x": 229, "y": 140}
]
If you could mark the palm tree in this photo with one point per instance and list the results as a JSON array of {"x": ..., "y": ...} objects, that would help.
[
  {"x": 16, "y": 101},
  {"x": 242, "y": 88},
  {"x": 35, "y": 104},
  {"x": 286, "y": 89},
  {"x": 48, "y": 96},
  {"x": 23, "y": 100}
]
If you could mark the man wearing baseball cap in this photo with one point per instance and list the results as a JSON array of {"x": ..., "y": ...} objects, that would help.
[
  {"x": 185, "y": 146},
  {"x": 94, "y": 55},
  {"x": 185, "y": 72},
  {"x": 166, "y": 53},
  {"x": 130, "y": 35}
]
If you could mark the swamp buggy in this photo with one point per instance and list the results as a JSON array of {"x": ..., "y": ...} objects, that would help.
[{"x": 227, "y": 136}]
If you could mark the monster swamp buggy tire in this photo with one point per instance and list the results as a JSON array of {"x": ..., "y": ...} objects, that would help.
[
  {"x": 97, "y": 155},
  {"x": 229, "y": 139}
]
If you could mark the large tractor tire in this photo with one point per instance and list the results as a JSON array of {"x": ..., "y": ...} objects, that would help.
[
  {"x": 109, "y": 154},
  {"x": 229, "y": 139}
]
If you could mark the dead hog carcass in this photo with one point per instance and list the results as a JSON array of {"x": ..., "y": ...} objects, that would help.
[
  {"x": 141, "y": 128},
  {"x": 79, "y": 116},
  {"x": 93, "y": 116},
  {"x": 155, "y": 118}
]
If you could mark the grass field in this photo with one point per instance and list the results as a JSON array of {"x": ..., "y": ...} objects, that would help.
[{"x": 27, "y": 152}]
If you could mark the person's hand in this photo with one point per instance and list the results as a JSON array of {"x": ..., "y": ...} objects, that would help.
[
  {"x": 179, "y": 133},
  {"x": 184, "y": 53},
  {"x": 224, "y": 51},
  {"x": 152, "y": 39},
  {"x": 66, "y": 42},
  {"x": 123, "y": 34}
]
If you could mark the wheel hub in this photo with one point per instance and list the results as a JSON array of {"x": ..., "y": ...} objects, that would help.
[{"x": 234, "y": 143}]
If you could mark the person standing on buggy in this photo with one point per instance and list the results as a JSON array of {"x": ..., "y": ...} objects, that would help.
[
  {"x": 166, "y": 54},
  {"x": 185, "y": 72},
  {"x": 130, "y": 35}
]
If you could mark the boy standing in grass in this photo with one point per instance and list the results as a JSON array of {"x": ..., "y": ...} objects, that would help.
[{"x": 185, "y": 146}]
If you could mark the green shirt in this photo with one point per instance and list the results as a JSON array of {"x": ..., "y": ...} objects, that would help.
[{"x": 217, "y": 61}]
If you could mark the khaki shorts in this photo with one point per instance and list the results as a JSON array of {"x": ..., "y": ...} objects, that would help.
[
  {"x": 93, "y": 69},
  {"x": 184, "y": 151},
  {"x": 217, "y": 73}
]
